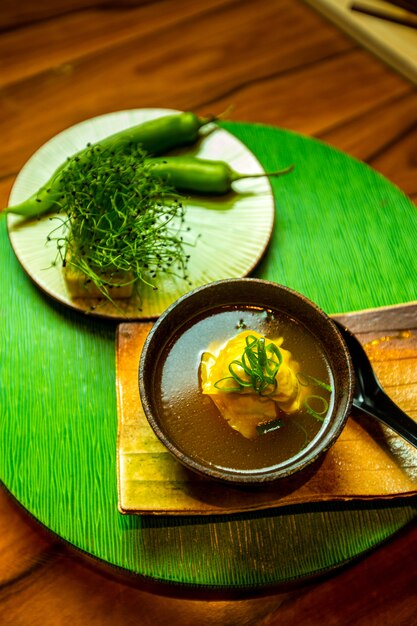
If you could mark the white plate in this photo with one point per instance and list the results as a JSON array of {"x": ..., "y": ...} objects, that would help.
[{"x": 233, "y": 232}]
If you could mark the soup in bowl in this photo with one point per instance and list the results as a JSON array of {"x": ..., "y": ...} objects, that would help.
[{"x": 245, "y": 381}]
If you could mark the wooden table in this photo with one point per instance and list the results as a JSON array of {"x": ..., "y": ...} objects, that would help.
[{"x": 278, "y": 63}]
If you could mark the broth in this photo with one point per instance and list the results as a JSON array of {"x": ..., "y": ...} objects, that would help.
[{"x": 192, "y": 420}]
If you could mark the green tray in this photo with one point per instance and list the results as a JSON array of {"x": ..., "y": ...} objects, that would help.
[{"x": 345, "y": 237}]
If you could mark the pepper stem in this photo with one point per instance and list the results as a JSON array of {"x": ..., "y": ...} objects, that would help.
[{"x": 276, "y": 174}]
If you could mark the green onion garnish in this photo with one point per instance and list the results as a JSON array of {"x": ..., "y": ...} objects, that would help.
[
  {"x": 305, "y": 380},
  {"x": 303, "y": 430},
  {"x": 259, "y": 363},
  {"x": 321, "y": 412}
]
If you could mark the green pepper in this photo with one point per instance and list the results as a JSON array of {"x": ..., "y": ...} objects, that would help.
[
  {"x": 192, "y": 174},
  {"x": 159, "y": 135},
  {"x": 154, "y": 137}
]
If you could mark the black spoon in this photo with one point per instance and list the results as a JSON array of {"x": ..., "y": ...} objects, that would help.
[{"x": 369, "y": 395}]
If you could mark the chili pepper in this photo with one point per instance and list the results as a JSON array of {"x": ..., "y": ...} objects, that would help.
[
  {"x": 154, "y": 137},
  {"x": 159, "y": 135},
  {"x": 187, "y": 173}
]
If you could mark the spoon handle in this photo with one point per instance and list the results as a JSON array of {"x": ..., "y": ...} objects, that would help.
[{"x": 384, "y": 409}]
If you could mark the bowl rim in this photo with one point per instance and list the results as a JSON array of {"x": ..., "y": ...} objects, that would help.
[{"x": 323, "y": 440}]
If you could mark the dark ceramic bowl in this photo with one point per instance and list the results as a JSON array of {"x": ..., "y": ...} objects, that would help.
[{"x": 258, "y": 293}]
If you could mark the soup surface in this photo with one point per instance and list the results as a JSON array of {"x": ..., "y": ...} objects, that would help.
[{"x": 193, "y": 421}]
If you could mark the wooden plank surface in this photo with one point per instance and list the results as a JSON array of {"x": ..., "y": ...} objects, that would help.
[{"x": 281, "y": 64}]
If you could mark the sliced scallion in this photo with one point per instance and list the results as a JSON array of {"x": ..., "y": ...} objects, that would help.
[{"x": 258, "y": 365}]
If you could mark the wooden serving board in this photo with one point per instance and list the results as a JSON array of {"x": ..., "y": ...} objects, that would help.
[{"x": 368, "y": 461}]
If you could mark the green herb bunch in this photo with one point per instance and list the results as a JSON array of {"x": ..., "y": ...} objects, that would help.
[{"x": 118, "y": 218}]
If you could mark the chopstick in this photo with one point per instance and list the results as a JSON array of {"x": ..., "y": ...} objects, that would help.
[
  {"x": 384, "y": 14},
  {"x": 404, "y": 4}
]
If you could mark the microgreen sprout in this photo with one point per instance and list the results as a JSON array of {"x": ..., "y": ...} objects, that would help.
[{"x": 116, "y": 219}]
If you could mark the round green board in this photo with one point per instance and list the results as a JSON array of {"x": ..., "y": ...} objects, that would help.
[{"x": 345, "y": 237}]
